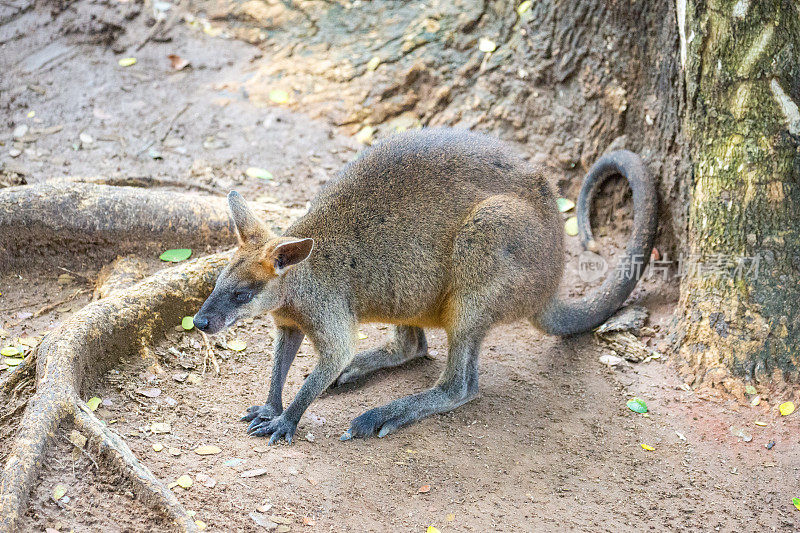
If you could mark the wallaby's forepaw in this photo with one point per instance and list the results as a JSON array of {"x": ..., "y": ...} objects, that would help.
[
  {"x": 258, "y": 415},
  {"x": 373, "y": 422},
  {"x": 279, "y": 428}
]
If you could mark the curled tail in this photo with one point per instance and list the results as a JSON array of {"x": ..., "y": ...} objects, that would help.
[{"x": 563, "y": 317}]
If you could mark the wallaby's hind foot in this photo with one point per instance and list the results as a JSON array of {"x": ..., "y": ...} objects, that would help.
[
  {"x": 457, "y": 385},
  {"x": 408, "y": 343}
]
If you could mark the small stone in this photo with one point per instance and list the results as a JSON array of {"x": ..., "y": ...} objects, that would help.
[
  {"x": 310, "y": 437},
  {"x": 610, "y": 360},
  {"x": 175, "y": 452},
  {"x": 14, "y": 152},
  {"x": 86, "y": 138},
  {"x": 20, "y": 131}
]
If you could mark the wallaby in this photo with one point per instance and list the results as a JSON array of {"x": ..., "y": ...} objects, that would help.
[{"x": 439, "y": 228}]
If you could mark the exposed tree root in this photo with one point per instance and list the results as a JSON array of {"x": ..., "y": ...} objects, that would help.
[
  {"x": 66, "y": 215},
  {"x": 10, "y": 381},
  {"x": 145, "y": 182},
  {"x": 79, "y": 351}
]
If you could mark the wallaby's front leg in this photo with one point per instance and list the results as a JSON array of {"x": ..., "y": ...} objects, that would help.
[
  {"x": 287, "y": 342},
  {"x": 335, "y": 349}
]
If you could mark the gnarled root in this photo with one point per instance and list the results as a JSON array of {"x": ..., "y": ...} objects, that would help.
[
  {"x": 83, "y": 348},
  {"x": 67, "y": 215}
]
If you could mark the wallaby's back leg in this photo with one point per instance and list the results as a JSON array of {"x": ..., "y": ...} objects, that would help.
[
  {"x": 457, "y": 385},
  {"x": 407, "y": 343},
  {"x": 287, "y": 342},
  {"x": 504, "y": 268}
]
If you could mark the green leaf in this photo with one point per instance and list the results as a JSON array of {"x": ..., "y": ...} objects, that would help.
[
  {"x": 750, "y": 389},
  {"x": 187, "y": 323},
  {"x": 12, "y": 361},
  {"x": 127, "y": 61},
  {"x": 565, "y": 204},
  {"x": 637, "y": 405},
  {"x": 176, "y": 255},
  {"x": 260, "y": 173},
  {"x": 524, "y": 7},
  {"x": 10, "y": 351},
  {"x": 93, "y": 403},
  {"x": 796, "y": 502},
  {"x": 571, "y": 226},
  {"x": 279, "y": 96}
]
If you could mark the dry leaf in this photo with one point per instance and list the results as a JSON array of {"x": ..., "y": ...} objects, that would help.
[
  {"x": 77, "y": 438},
  {"x": 207, "y": 449},
  {"x": 206, "y": 480},
  {"x": 59, "y": 491},
  {"x": 177, "y": 62},
  {"x": 424, "y": 488},
  {"x": 262, "y": 520},
  {"x": 160, "y": 427},
  {"x": 150, "y": 393}
]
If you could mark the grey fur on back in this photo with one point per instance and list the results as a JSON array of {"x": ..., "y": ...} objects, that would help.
[{"x": 386, "y": 225}]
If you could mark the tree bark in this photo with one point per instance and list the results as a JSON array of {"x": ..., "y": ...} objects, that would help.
[{"x": 739, "y": 312}]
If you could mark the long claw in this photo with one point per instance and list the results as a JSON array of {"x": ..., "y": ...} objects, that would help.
[
  {"x": 252, "y": 412},
  {"x": 346, "y": 436}
]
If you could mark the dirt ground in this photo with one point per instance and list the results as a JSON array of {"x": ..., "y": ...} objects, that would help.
[{"x": 549, "y": 444}]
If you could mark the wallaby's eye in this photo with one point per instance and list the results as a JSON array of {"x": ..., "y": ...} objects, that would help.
[{"x": 242, "y": 297}]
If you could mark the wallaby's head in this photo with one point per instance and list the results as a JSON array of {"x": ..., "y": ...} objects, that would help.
[{"x": 253, "y": 281}]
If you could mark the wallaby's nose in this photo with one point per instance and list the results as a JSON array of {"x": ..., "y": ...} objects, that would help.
[{"x": 200, "y": 322}]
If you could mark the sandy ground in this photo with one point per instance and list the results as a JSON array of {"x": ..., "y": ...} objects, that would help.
[{"x": 547, "y": 446}]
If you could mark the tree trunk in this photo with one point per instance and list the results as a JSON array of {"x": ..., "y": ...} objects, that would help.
[{"x": 739, "y": 313}]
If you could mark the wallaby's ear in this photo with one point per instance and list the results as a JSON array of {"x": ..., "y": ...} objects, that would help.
[
  {"x": 290, "y": 253},
  {"x": 248, "y": 226}
]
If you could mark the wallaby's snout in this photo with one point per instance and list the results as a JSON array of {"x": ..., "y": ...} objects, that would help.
[{"x": 213, "y": 317}]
